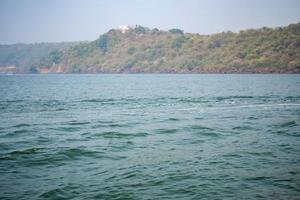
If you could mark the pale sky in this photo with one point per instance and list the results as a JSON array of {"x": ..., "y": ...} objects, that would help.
[{"x": 30, "y": 21}]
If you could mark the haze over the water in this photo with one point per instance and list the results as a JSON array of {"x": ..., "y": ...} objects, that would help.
[{"x": 30, "y": 21}]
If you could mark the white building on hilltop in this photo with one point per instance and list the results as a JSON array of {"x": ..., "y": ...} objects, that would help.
[{"x": 124, "y": 28}]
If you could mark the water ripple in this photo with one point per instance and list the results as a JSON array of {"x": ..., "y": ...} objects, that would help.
[{"x": 149, "y": 137}]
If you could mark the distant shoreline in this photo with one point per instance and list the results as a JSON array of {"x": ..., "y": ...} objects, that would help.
[
  {"x": 158, "y": 73},
  {"x": 143, "y": 50}
]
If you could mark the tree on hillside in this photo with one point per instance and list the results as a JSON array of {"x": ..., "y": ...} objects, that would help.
[
  {"x": 140, "y": 29},
  {"x": 56, "y": 56},
  {"x": 176, "y": 31},
  {"x": 103, "y": 43},
  {"x": 177, "y": 43}
]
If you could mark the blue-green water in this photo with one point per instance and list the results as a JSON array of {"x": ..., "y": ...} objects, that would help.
[{"x": 150, "y": 137}]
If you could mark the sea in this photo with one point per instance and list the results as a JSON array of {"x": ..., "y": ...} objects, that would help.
[{"x": 149, "y": 136}]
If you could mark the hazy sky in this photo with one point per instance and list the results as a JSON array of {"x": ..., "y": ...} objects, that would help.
[{"x": 72, "y": 20}]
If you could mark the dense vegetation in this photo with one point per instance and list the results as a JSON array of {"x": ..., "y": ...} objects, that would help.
[
  {"x": 29, "y": 57},
  {"x": 142, "y": 49}
]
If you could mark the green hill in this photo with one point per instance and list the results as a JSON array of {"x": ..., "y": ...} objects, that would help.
[
  {"x": 140, "y": 49},
  {"x": 28, "y": 57}
]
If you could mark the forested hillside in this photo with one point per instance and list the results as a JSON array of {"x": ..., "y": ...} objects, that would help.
[
  {"x": 140, "y": 49},
  {"x": 29, "y": 57}
]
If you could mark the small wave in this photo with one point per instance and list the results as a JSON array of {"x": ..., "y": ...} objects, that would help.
[
  {"x": 193, "y": 141},
  {"x": 209, "y": 133},
  {"x": 129, "y": 175},
  {"x": 252, "y": 118},
  {"x": 286, "y": 133},
  {"x": 294, "y": 172},
  {"x": 232, "y": 155},
  {"x": 40, "y": 156},
  {"x": 19, "y": 154},
  {"x": 288, "y": 124},
  {"x": 67, "y": 192},
  {"x": 229, "y": 108},
  {"x": 17, "y": 132},
  {"x": 193, "y": 100},
  {"x": 202, "y": 130},
  {"x": 166, "y": 131},
  {"x": 76, "y": 123},
  {"x": 257, "y": 178},
  {"x": 74, "y": 153},
  {"x": 173, "y": 119},
  {"x": 218, "y": 99},
  {"x": 141, "y": 134},
  {"x": 233, "y": 97},
  {"x": 242, "y": 128},
  {"x": 98, "y": 100},
  {"x": 292, "y": 98},
  {"x": 21, "y": 125},
  {"x": 60, "y": 109},
  {"x": 114, "y": 134},
  {"x": 180, "y": 177},
  {"x": 266, "y": 105},
  {"x": 199, "y": 127},
  {"x": 29, "y": 151},
  {"x": 67, "y": 129},
  {"x": 11, "y": 101},
  {"x": 263, "y": 154},
  {"x": 113, "y": 124}
]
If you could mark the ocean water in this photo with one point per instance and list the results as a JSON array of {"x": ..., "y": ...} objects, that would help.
[{"x": 149, "y": 136}]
